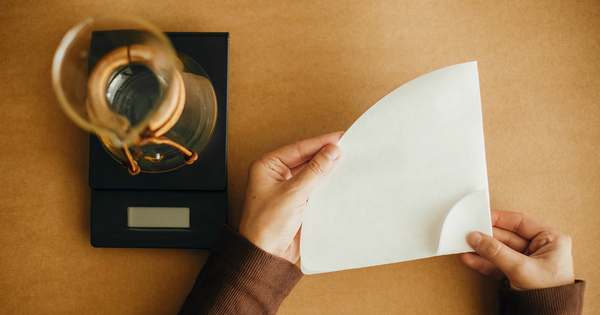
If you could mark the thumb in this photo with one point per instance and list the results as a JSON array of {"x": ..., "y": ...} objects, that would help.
[
  {"x": 497, "y": 253},
  {"x": 317, "y": 168}
]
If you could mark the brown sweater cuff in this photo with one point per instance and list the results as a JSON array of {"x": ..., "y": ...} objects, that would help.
[
  {"x": 566, "y": 299},
  {"x": 240, "y": 278},
  {"x": 255, "y": 264}
]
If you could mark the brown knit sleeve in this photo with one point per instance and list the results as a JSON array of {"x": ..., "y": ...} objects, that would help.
[
  {"x": 240, "y": 278},
  {"x": 566, "y": 299}
]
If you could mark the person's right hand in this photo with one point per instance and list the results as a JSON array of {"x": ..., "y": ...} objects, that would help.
[{"x": 530, "y": 253}]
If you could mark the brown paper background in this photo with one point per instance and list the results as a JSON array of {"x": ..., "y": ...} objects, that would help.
[{"x": 299, "y": 69}]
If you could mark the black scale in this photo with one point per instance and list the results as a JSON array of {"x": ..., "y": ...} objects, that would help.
[{"x": 200, "y": 187}]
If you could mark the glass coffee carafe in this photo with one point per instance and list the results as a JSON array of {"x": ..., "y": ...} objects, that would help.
[{"x": 153, "y": 109}]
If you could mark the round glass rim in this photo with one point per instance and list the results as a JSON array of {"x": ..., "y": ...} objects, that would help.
[{"x": 66, "y": 42}]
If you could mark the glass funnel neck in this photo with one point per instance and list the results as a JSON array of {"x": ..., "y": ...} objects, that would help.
[{"x": 118, "y": 76}]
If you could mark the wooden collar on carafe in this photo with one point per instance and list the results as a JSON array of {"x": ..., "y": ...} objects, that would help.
[{"x": 164, "y": 117}]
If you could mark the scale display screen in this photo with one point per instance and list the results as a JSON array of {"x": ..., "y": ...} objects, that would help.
[{"x": 158, "y": 217}]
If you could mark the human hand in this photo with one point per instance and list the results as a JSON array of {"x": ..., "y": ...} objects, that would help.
[
  {"x": 279, "y": 184},
  {"x": 529, "y": 253}
]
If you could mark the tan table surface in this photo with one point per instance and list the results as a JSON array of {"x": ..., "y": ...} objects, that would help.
[{"x": 299, "y": 69}]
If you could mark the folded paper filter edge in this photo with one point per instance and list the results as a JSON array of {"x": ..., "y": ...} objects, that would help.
[
  {"x": 470, "y": 211},
  {"x": 458, "y": 223}
]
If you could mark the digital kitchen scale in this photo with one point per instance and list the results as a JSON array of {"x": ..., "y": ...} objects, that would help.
[{"x": 183, "y": 208}]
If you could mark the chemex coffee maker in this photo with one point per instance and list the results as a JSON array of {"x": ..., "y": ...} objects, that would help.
[{"x": 156, "y": 105}]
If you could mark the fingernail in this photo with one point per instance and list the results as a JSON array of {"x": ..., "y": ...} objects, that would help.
[
  {"x": 332, "y": 151},
  {"x": 474, "y": 239}
]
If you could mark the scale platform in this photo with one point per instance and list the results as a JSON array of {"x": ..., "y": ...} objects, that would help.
[{"x": 184, "y": 208}]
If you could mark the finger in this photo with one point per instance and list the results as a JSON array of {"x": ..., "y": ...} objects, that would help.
[
  {"x": 519, "y": 223},
  {"x": 550, "y": 240},
  {"x": 297, "y": 153},
  {"x": 482, "y": 265},
  {"x": 317, "y": 168},
  {"x": 298, "y": 168},
  {"x": 511, "y": 239},
  {"x": 495, "y": 252}
]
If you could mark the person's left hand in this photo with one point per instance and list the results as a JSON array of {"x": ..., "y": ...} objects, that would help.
[{"x": 279, "y": 184}]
